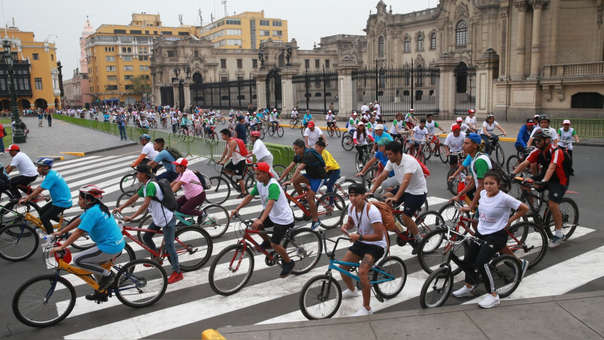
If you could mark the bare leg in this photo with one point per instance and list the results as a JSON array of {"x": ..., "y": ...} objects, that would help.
[
  {"x": 556, "y": 214},
  {"x": 364, "y": 268},
  {"x": 348, "y": 257},
  {"x": 410, "y": 224}
]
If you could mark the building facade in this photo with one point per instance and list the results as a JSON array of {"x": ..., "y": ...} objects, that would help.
[
  {"x": 37, "y": 72},
  {"x": 77, "y": 89}
]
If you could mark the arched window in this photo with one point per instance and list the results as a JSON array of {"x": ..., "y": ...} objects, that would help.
[
  {"x": 407, "y": 44},
  {"x": 420, "y": 42},
  {"x": 381, "y": 47},
  {"x": 433, "y": 41},
  {"x": 461, "y": 34}
]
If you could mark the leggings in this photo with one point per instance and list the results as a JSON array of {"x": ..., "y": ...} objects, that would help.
[
  {"x": 91, "y": 259},
  {"x": 188, "y": 206},
  {"x": 50, "y": 212},
  {"x": 19, "y": 180},
  {"x": 478, "y": 258}
]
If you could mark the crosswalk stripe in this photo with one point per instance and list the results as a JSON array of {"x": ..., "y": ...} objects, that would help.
[{"x": 76, "y": 160}]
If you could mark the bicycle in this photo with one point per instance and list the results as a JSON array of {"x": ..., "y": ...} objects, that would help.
[
  {"x": 433, "y": 147},
  {"x": 496, "y": 146},
  {"x": 347, "y": 141},
  {"x": 294, "y": 123},
  {"x": 331, "y": 208},
  {"x": 275, "y": 128},
  {"x": 223, "y": 183},
  {"x": 139, "y": 283},
  {"x": 506, "y": 273},
  {"x": 236, "y": 261},
  {"x": 333, "y": 130},
  {"x": 321, "y": 296},
  {"x": 514, "y": 160},
  {"x": 214, "y": 220},
  {"x": 362, "y": 156}
]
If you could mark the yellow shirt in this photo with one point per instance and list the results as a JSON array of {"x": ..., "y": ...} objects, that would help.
[{"x": 330, "y": 162}]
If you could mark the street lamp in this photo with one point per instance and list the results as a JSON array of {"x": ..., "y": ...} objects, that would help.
[{"x": 18, "y": 128}]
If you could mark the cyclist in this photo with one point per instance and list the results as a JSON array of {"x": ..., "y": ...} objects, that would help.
[
  {"x": 488, "y": 132},
  {"x": 60, "y": 194},
  {"x": 419, "y": 137},
  {"x": 148, "y": 152},
  {"x": 524, "y": 133},
  {"x": 311, "y": 161},
  {"x": 478, "y": 164},
  {"x": 294, "y": 114},
  {"x": 165, "y": 158},
  {"x": 332, "y": 168},
  {"x": 567, "y": 135},
  {"x": 361, "y": 140},
  {"x": 398, "y": 126},
  {"x": 369, "y": 243},
  {"x": 260, "y": 151},
  {"x": 274, "y": 119},
  {"x": 241, "y": 129},
  {"x": 464, "y": 128},
  {"x": 410, "y": 120},
  {"x": 411, "y": 186},
  {"x": 553, "y": 176},
  {"x": 379, "y": 134},
  {"x": 312, "y": 134},
  {"x": 194, "y": 195},
  {"x": 470, "y": 120},
  {"x": 184, "y": 124},
  {"x": 454, "y": 144},
  {"x": 27, "y": 170},
  {"x": 104, "y": 232},
  {"x": 236, "y": 162},
  {"x": 544, "y": 125},
  {"x": 431, "y": 125},
  {"x": 494, "y": 217},
  {"x": 307, "y": 118},
  {"x": 381, "y": 159},
  {"x": 161, "y": 216},
  {"x": 330, "y": 118}
]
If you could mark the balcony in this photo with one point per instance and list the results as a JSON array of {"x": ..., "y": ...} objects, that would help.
[{"x": 574, "y": 72}]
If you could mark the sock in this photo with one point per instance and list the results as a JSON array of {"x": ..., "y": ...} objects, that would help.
[
  {"x": 417, "y": 237},
  {"x": 559, "y": 233}
]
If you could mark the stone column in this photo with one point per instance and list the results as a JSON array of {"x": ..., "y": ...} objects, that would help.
[
  {"x": 446, "y": 88},
  {"x": 345, "y": 90},
  {"x": 260, "y": 91},
  {"x": 484, "y": 82},
  {"x": 176, "y": 96},
  {"x": 287, "y": 92},
  {"x": 187, "y": 89},
  {"x": 536, "y": 40},
  {"x": 156, "y": 96},
  {"x": 519, "y": 14}
]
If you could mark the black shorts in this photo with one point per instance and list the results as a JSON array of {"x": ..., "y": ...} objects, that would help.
[
  {"x": 279, "y": 230},
  {"x": 237, "y": 169},
  {"x": 412, "y": 203},
  {"x": 453, "y": 159},
  {"x": 360, "y": 249},
  {"x": 556, "y": 191}
]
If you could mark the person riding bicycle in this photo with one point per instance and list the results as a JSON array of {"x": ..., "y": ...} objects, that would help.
[
  {"x": 494, "y": 217},
  {"x": 162, "y": 217},
  {"x": 411, "y": 189},
  {"x": 306, "y": 119},
  {"x": 332, "y": 168},
  {"x": 235, "y": 162},
  {"x": 553, "y": 176},
  {"x": 330, "y": 118},
  {"x": 398, "y": 127},
  {"x": 185, "y": 122},
  {"x": 194, "y": 194},
  {"x": 362, "y": 140},
  {"x": 524, "y": 133},
  {"x": 488, "y": 132},
  {"x": 567, "y": 135},
  {"x": 353, "y": 121},
  {"x": 454, "y": 144},
  {"x": 432, "y": 125},
  {"x": 261, "y": 151},
  {"x": 274, "y": 119},
  {"x": 277, "y": 213},
  {"x": 459, "y": 122},
  {"x": 470, "y": 121},
  {"x": 165, "y": 158},
  {"x": 544, "y": 125},
  {"x": 313, "y": 163},
  {"x": 27, "y": 170},
  {"x": 379, "y": 134},
  {"x": 294, "y": 114},
  {"x": 241, "y": 129},
  {"x": 478, "y": 164},
  {"x": 99, "y": 224},
  {"x": 60, "y": 194},
  {"x": 419, "y": 137},
  {"x": 410, "y": 119},
  {"x": 312, "y": 134},
  {"x": 381, "y": 159},
  {"x": 369, "y": 244},
  {"x": 148, "y": 153}
]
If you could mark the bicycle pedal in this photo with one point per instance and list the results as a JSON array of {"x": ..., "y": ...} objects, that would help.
[{"x": 379, "y": 297}]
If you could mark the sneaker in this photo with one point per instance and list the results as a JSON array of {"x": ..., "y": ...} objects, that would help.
[
  {"x": 489, "y": 301},
  {"x": 362, "y": 312},
  {"x": 464, "y": 291},
  {"x": 524, "y": 265},
  {"x": 349, "y": 294},
  {"x": 556, "y": 241},
  {"x": 106, "y": 281},
  {"x": 415, "y": 244},
  {"x": 175, "y": 277},
  {"x": 286, "y": 268},
  {"x": 315, "y": 225},
  {"x": 97, "y": 296}
]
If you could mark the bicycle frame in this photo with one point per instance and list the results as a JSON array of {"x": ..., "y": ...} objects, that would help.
[{"x": 160, "y": 253}]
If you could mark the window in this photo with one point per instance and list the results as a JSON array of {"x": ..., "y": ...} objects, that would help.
[
  {"x": 52, "y": 57},
  {"x": 264, "y": 23},
  {"x": 420, "y": 42},
  {"x": 110, "y": 87},
  {"x": 112, "y": 78},
  {"x": 196, "y": 53},
  {"x": 254, "y": 63},
  {"x": 223, "y": 63},
  {"x": 239, "y": 63},
  {"x": 433, "y": 41},
  {"x": 407, "y": 45},
  {"x": 183, "y": 33},
  {"x": 317, "y": 63},
  {"x": 228, "y": 42},
  {"x": 126, "y": 49},
  {"x": 381, "y": 47},
  {"x": 142, "y": 58},
  {"x": 128, "y": 77},
  {"x": 277, "y": 33},
  {"x": 265, "y": 33},
  {"x": 587, "y": 100},
  {"x": 326, "y": 63},
  {"x": 110, "y": 68},
  {"x": 144, "y": 68},
  {"x": 127, "y": 67},
  {"x": 136, "y": 32},
  {"x": 171, "y": 53},
  {"x": 38, "y": 82},
  {"x": 277, "y": 23},
  {"x": 166, "y": 33},
  {"x": 233, "y": 22},
  {"x": 461, "y": 34},
  {"x": 129, "y": 87},
  {"x": 110, "y": 58},
  {"x": 109, "y": 49},
  {"x": 127, "y": 58},
  {"x": 119, "y": 31},
  {"x": 35, "y": 56}
]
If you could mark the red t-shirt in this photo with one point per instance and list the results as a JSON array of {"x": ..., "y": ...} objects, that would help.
[{"x": 548, "y": 156}]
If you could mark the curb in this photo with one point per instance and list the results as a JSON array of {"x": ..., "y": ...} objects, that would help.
[
  {"x": 55, "y": 158},
  {"x": 71, "y": 153},
  {"x": 211, "y": 334},
  {"x": 111, "y": 148}
]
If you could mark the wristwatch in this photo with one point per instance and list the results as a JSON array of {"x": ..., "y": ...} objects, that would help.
[{"x": 360, "y": 237}]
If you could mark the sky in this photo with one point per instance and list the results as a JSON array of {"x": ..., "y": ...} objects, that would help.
[{"x": 62, "y": 21}]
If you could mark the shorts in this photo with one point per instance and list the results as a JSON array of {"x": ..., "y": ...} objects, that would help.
[
  {"x": 331, "y": 123},
  {"x": 453, "y": 159},
  {"x": 360, "y": 249},
  {"x": 315, "y": 183},
  {"x": 279, "y": 230},
  {"x": 412, "y": 203},
  {"x": 236, "y": 168},
  {"x": 556, "y": 191}
]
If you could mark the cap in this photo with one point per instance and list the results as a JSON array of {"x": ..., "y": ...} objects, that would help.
[
  {"x": 181, "y": 161},
  {"x": 475, "y": 138},
  {"x": 459, "y": 120},
  {"x": 455, "y": 127},
  {"x": 566, "y": 121},
  {"x": 471, "y": 111},
  {"x": 411, "y": 110},
  {"x": 357, "y": 188},
  {"x": 264, "y": 167},
  {"x": 379, "y": 127},
  {"x": 144, "y": 169},
  {"x": 13, "y": 147},
  {"x": 255, "y": 133},
  {"x": 311, "y": 124}
]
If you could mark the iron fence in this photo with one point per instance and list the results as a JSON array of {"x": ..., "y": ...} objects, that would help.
[{"x": 316, "y": 92}]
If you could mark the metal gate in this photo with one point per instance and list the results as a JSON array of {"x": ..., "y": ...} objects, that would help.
[
  {"x": 273, "y": 89},
  {"x": 236, "y": 94},
  {"x": 465, "y": 92},
  {"x": 316, "y": 92},
  {"x": 167, "y": 95}
]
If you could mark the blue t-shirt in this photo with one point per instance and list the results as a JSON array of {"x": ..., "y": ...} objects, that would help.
[
  {"x": 383, "y": 160},
  {"x": 467, "y": 162},
  {"x": 523, "y": 136},
  {"x": 103, "y": 230},
  {"x": 59, "y": 191},
  {"x": 385, "y": 135},
  {"x": 166, "y": 160},
  {"x": 307, "y": 118}
]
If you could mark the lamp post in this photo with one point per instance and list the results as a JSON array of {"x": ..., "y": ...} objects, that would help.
[
  {"x": 306, "y": 86},
  {"x": 18, "y": 130}
]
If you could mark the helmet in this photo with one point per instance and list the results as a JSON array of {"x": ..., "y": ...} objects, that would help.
[
  {"x": 490, "y": 115},
  {"x": 544, "y": 117},
  {"x": 255, "y": 133},
  {"x": 145, "y": 136},
  {"x": 44, "y": 161},
  {"x": 91, "y": 190},
  {"x": 543, "y": 133},
  {"x": 455, "y": 127},
  {"x": 471, "y": 111}
]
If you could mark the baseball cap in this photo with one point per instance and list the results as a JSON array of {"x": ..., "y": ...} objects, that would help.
[
  {"x": 459, "y": 120},
  {"x": 455, "y": 128},
  {"x": 311, "y": 124},
  {"x": 379, "y": 126},
  {"x": 255, "y": 133},
  {"x": 13, "y": 147},
  {"x": 181, "y": 161},
  {"x": 144, "y": 169},
  {"x": 566, "y": 121},
  {"x": 475, "y": 138},
  {"x": 264, "y": 167}
]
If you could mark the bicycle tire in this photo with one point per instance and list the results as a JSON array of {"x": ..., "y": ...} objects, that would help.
[
  {"x": 432, "y": 256},
  {"x": 53, "y": 279},
  {"x": 338, "y": 132},
  {"x": 308, "y": 291},
  {"x": 219, "y": 258},
  {"x": 330, "y": 131},
  {"x": 512, "y": 163},
  {"x": 428, "y": 221},
  {"x": 427, "y": 151},
  {"x": 217, "y": 184},
  {"x": 382, "y": 265},
  {"x": 9, "y": 238},
  {"x": 499, "y": 155},
  {"x": 280, "y": 131},
  {"x": 347, "y": 142},
  {"x": 424, "y": 209},
  {"x": 300, "y": 252},
  {"x": 83, "y": 242},
  {"x": 270, "y": 131},
  {"x": 531, "y": 240},
  {"x": 193, "y": 245},
  {"x": 358, "y": 162},
  {"x": 568, "y": 226},
  {"x": 506, "y": 268},
  {"x": 127, "y": 276},
  {"x": 123, "y": 198},
  {"x": 333, "y": 205},
  {"x": 214, "y": 225},
  {"x": 442, "y": 292},
  {"x": 298, "y": 213},
  {"x": 128, "y": 183},
  {"x": 442, "y": 153},
  {"x": 452, "y": 185}
]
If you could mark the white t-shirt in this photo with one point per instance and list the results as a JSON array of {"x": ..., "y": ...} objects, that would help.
[
  {"x": 463, "y": 127},
  {"x": 159, "y": 214},
  {"x": 260, "y": 150},
  {"x": 281, "y": 213},
  {"x": 363, "y": 221},
  {"x": 313, "y": 136},
  {"x": 25, "y": 166},
  {"x": 566, "y": 138},
  {"x": 455, "y": 144},
  {"x": 409, "y": 165},
  {"x": 490, "y": 128},
  {"x": 149, "y": 151},
  {"x": 470, "y": 121},
  {"x": 494, "y": 211},
  {"x": 419, "y": 134}
]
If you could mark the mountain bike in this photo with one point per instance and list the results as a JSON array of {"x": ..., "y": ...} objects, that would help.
[
  {"x": 224, "y": 182},
  {"x": 495, "y": 146},
  {"x": 362, "y": 156},
  {"x": 347, "y": 141},
  {"x": 333, "y": 130},
  {"x": 275, "y": 128},
  {"x": 214, "y": 220},
  {"x": 331, "y": 208}
]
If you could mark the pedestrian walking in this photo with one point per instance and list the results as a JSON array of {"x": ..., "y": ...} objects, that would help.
[
  {"x": 40, "y": 117},
  {"x": 121, "y": 124},
  {"x": 49, "y": 117}
]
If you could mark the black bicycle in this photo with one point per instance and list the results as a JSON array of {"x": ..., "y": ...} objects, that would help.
[{"x": 220, "y": 186}]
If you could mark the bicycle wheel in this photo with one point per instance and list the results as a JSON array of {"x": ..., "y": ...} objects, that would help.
[
  {"x": 570, "y": 218},
  {"x": 428, "y": 221},
  {"x": 131, "y": 209},
  {"x": 499, "y": 155},
  {"x": 231, "y": 269},
  {"x": 454, "y": 184},
  {"x": 436, "y": 288},
  {"x": 193, "y": 247},
  {"x": 450, "y": 214},
  {"x": 270, "y": 131},
  {"x": 433, "y": 250},
  {"x": 331, "y": 209},
  {"x": 18, "y": 241},
  {"x": 280, "y": 131},
  {"x": 299, "y": 214},
  {"x": 215, "y": 220},
  {"x": 330, "y": 131},
  {"x": 427, "y": 151},
  {"x": 320, "y": 297},
  {"x": 442, "y": 153},
  {"x": 358, "y": 162},
  {"x": 17, "y": 211},
  {"x": 347, "y": 143},
  {"x": 390, "y": 275},
  {"x": 337, "y": 132},
  {"x": 36, "y": 302},
  {"x": 140, "y": 283},
  {"x": 219, "y": 191},
  {"x": 304, "y": 247},
  {"x": 511, "y": 164},
  {"x": 527, "y": 241},
  {"x": 129, "y": 183},
  {"x": 507, "y": 273}
]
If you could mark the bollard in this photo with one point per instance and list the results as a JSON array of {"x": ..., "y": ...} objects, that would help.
[{"x": 211, "y": 334}]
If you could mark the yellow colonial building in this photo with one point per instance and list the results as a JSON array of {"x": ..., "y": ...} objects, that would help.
[
  {"x": 36, "y": 72},
  {"x": 245, "y": 30},
  {"x": 119, "y": 54}
]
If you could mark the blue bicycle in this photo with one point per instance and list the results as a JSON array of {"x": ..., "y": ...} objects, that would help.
[{"x": 321, "y": 296}]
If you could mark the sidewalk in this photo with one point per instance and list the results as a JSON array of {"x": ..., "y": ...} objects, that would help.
[{"x": 571, "y": 316}]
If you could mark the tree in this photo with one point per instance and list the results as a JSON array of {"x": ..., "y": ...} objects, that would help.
[{"x": 141, "y": 86}]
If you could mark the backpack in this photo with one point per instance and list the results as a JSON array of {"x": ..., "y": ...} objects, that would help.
[
  {"x": 169, "y": 200},
  {"x": 387, "y": 217},
  {"x": 320, "y": 168},
  {"x": 506, "y": 184},
  {"x": 202, "y": 180},
  {"x": 425, "y": 169},
  {"x": 242, "y": 148},
  {"x": 566, "y": 163},
  {"x": 175, "y": 153}
]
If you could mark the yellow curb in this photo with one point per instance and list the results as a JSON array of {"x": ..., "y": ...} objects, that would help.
[
  {"x": 56, "y": 158},
  {"x": 211, "y": 334},
  {"x": 79, "y": 154}
]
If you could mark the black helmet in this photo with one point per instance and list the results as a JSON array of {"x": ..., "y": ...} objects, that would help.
[{"x": 357, "y": 188}]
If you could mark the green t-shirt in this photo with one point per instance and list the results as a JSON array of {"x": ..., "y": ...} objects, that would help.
[
  {"x": 273, "y": 191},
  {"x": 481, "y": 168}
]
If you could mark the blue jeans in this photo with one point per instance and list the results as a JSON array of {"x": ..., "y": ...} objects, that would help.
[
  {"x": 169, "y": 234},
  {"x": 487, "y": 141},
  {"x": 123, "y": 135},
  {"x": 169, "y": 175},
  {"x": 332, "y": 177}
]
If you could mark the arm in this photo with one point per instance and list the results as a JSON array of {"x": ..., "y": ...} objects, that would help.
[
  {"x": 306, "y": 141},
  {"x": 287, "y": 170},
  {"x": 9, "y": 169},
  {"x": 521, "y": 211},
  {"x": 378, "y": 233},
  {"x": 367, "y": 166},
  {"x": 243, "y": 203},
  {"x": 576, "y": 137},
  {"x": 33, "y": 194},
  {"x": 176, "y": 185},
  {"x": 231, "y": 148},
  {"x": 138, "y": 160},
  {"x": 379, "y": 181},
  {"x": 299, "y": 169},
  {"x": 521, "y": 166},
  {"x": 74, "y": 236},
  {"x": 130, "y": 201},
  {"x": 348, "y": 225},
  {"x": 402, "y": 187},
  {"x": 549, "y": 172},
  {"x": 260, "y": 221},
  {"x": 500, "y": 129},
  {"x": 70, "y": 226}
]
